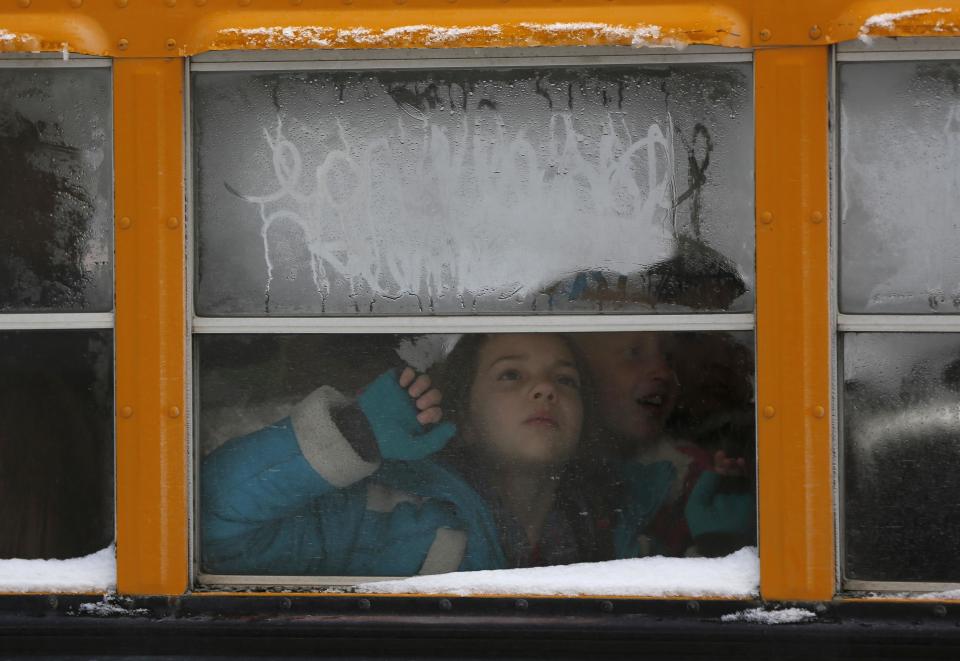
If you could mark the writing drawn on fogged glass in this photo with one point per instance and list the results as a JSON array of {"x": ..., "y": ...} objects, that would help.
[
  {"x": 55, "y": 195},
  {"x": 458, "y": 192}
]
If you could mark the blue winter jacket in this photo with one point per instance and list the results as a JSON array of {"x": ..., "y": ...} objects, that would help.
[{"x": 295, "y": 498}]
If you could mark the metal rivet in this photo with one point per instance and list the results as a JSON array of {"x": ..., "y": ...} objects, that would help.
[
  {"x": 693, "y": 606},
  {"x": 76, "y": 4},
  {"x": 940, "y": 610},
  {"x": 122, "y": 44},
  {"x": 174, "y": 412},
  {"x": 521, "y": 604},
  {"x": 23, "y": 3},
  {"x": 765, "y": 34},
  {"x": 124, "y": 222},
  {"x": 170, "y": 44},
  {"x": 364, "y": 604},
  {"x": 126, "y": 411},
  {"x": 170, "y": 3},
  {"x": 815, "y": 32},
  {"x": 606, "y": 606},
  {"x": 121, "y": 3},
  {"x": 173, "y": 222},
  {"x": 769, "y": 411},
  {"x": 816, "y": 217},
  {"x": 819, "y": 412},
  {"x": 445, "y": 605},
  {"x": 766, "y": 218}
]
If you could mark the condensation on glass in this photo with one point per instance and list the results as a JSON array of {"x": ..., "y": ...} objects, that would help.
[
  {"x": 297, "y": 477},
  {"x": 901, "y": 456},
  {"x": 56, "y": 443},
  {"x": 448, "y": 192},
  {"x": 900, "y": 187},
  {"x": 56, "y": 195}
]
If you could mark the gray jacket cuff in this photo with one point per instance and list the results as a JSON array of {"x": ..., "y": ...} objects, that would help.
[{"x": 322, "y": 443}]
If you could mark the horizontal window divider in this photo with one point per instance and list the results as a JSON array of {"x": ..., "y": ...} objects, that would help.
[
  {"x": 898, "y": 586},
  {"x": 56, "y": 321},
  {"x": 898, "y": 56},
  {"x": 484, "y": 62},
  {"x": 895, "y": 323},
  {"x": 232, "y": 580},
  {"x": 476, "y": 324}
]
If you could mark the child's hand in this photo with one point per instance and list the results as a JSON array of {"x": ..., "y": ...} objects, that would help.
[
  {"x": 397, "y": 408},
  {"x": 709, "y": 510},
  {"x": 729, "y": 466},
  {"x": 426, "y": 399}
]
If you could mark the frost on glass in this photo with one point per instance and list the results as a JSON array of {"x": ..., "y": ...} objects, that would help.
[
  {"x": 296, "y": 477},
  {"x": 900, "y": 187},
  {"x": 519, "y": 191},
  {"x": 56, "y": 195},
  {"x": 901, "y": 456},
  {"x": 56, "y": 443}
]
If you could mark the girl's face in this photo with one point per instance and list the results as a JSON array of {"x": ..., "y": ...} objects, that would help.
[{"x": 525, "y": 405}]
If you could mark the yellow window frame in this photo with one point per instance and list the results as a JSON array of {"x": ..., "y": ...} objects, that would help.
[{"x": 149, "y": 41}]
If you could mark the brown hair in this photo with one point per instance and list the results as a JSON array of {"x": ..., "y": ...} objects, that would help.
[{"x": 587, "y": 489}]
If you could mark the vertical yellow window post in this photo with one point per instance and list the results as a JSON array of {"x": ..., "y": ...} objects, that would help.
[
  {"x": 793, "y": 334},
  {"x": 150, "y": 330}
]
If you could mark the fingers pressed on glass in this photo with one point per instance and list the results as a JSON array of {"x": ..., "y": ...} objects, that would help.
[
  {"x": 407, "y": 376},
  {"x": 431, "y": 398},
  {"x": 430, "y": 416},
  {"x": 419, "y": 386}
]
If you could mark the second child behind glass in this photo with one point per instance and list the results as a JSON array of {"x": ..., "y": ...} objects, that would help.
[{"x": 376, "y": 487}]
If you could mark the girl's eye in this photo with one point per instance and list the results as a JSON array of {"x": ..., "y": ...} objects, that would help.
[
  {"x": 509, "y": 375},
  {"x": 569, "y": 380}
]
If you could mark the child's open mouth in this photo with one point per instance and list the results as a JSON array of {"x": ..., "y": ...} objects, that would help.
[{"x": 652, "y": 401}]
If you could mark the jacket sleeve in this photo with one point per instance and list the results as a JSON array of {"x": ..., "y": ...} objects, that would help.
[{"x": 258, "y": 492}]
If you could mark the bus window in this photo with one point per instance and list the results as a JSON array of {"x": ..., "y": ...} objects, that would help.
[
  {"x": 56, "y": 302},
  {"x": 898, "y": 160},
  {"x": 901, "y": 402},
  {"x": 316, "y": 458},
  {"x": 335, "y": 209},
  {"x": 57, "y": 202},
  {"x": 524, "y": 191}
]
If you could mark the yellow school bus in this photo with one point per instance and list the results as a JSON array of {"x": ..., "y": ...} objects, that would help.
[{"x": 829, "y": 200}]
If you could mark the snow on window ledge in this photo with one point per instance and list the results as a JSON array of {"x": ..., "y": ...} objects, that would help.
[
  {"x": 736, "y": 576},
  {"x": 96, "y": 572}
]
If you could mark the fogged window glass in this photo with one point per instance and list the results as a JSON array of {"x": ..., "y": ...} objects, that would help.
[
  {"x": 56, "y": 195},
  {"x": 519, "y": 191},
  {"x": 901, "y": 456},
  {"x": 56, "y": 443},
  {"x": 326, "y": 455},
  {"x": 900, "y": 187}
]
